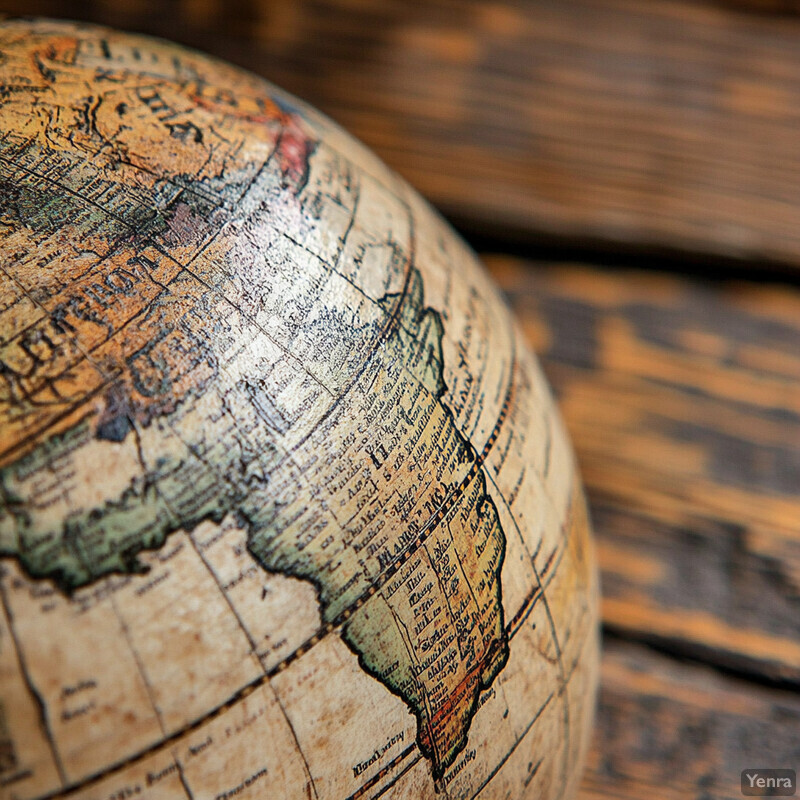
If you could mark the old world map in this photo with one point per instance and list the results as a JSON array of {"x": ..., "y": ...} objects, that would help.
[{"x": 285, "y": 506}]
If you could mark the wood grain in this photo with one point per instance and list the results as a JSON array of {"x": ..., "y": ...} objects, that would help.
[
  {"x": 664, "y": 125},
  {"x": 683, "y": 401},
  {"x": 671, "y": 731},
  {"x": 668, "y": 124}
]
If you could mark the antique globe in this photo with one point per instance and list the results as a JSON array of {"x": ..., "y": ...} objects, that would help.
[{"x": 286, "y": 507}]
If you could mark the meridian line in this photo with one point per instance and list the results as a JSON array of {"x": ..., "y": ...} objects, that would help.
[
  {"x": 427, "y": 530},
  {"x": 37, "y": 700}
]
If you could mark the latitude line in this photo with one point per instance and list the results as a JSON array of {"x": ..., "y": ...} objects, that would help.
[
  {"x": 455, "y": 495},
  {"x": 245, "y": 630},
  {"x": 512, "y": 629},
  {"x": 218, "y": 292},
  {"x": 393, "y": 318},
  {"x": 381, "y": 580},
  {"x": 329, "y": 627},
  {"x": 397, "y": 777},
  {"x": 73, "y": 192},
  {"x": 524, "y": 733},
  {"x": 87, "y": 357},
  {"x": 385, "y": 771},
  {"x": 184, "y": 267}
]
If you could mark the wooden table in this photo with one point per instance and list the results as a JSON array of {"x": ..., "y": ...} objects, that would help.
[{"x": 632, "y": 172}]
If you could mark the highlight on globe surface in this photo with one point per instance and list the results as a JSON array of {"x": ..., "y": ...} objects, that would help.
[{"x": 286, "y": 507}]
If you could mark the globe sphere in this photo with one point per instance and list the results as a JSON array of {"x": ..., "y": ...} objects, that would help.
[{"x": 286, "y": 507}]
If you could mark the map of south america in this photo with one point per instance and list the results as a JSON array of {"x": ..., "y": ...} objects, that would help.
[{"x": 251, "y": 337}]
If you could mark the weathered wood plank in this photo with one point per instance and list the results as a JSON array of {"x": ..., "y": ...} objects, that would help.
[
  {"x": 671, "y": 731},
  {"x": 669, "y": 124},
  {"x": 683, "y": 400}
]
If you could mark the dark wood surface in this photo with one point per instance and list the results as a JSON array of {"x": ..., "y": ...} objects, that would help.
[
  {"x": 636, "y": 128},
  {"x": 670, "y": 731}
]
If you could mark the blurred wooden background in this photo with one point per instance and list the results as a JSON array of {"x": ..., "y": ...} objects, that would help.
[
  {"x": 632, "y": 172},
  {"x": 612, "y": 123}
]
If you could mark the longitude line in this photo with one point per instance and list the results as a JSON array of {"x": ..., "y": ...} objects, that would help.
[
  {"x": 254, "y": 650},
  {"x": 35, "y": 696}
]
